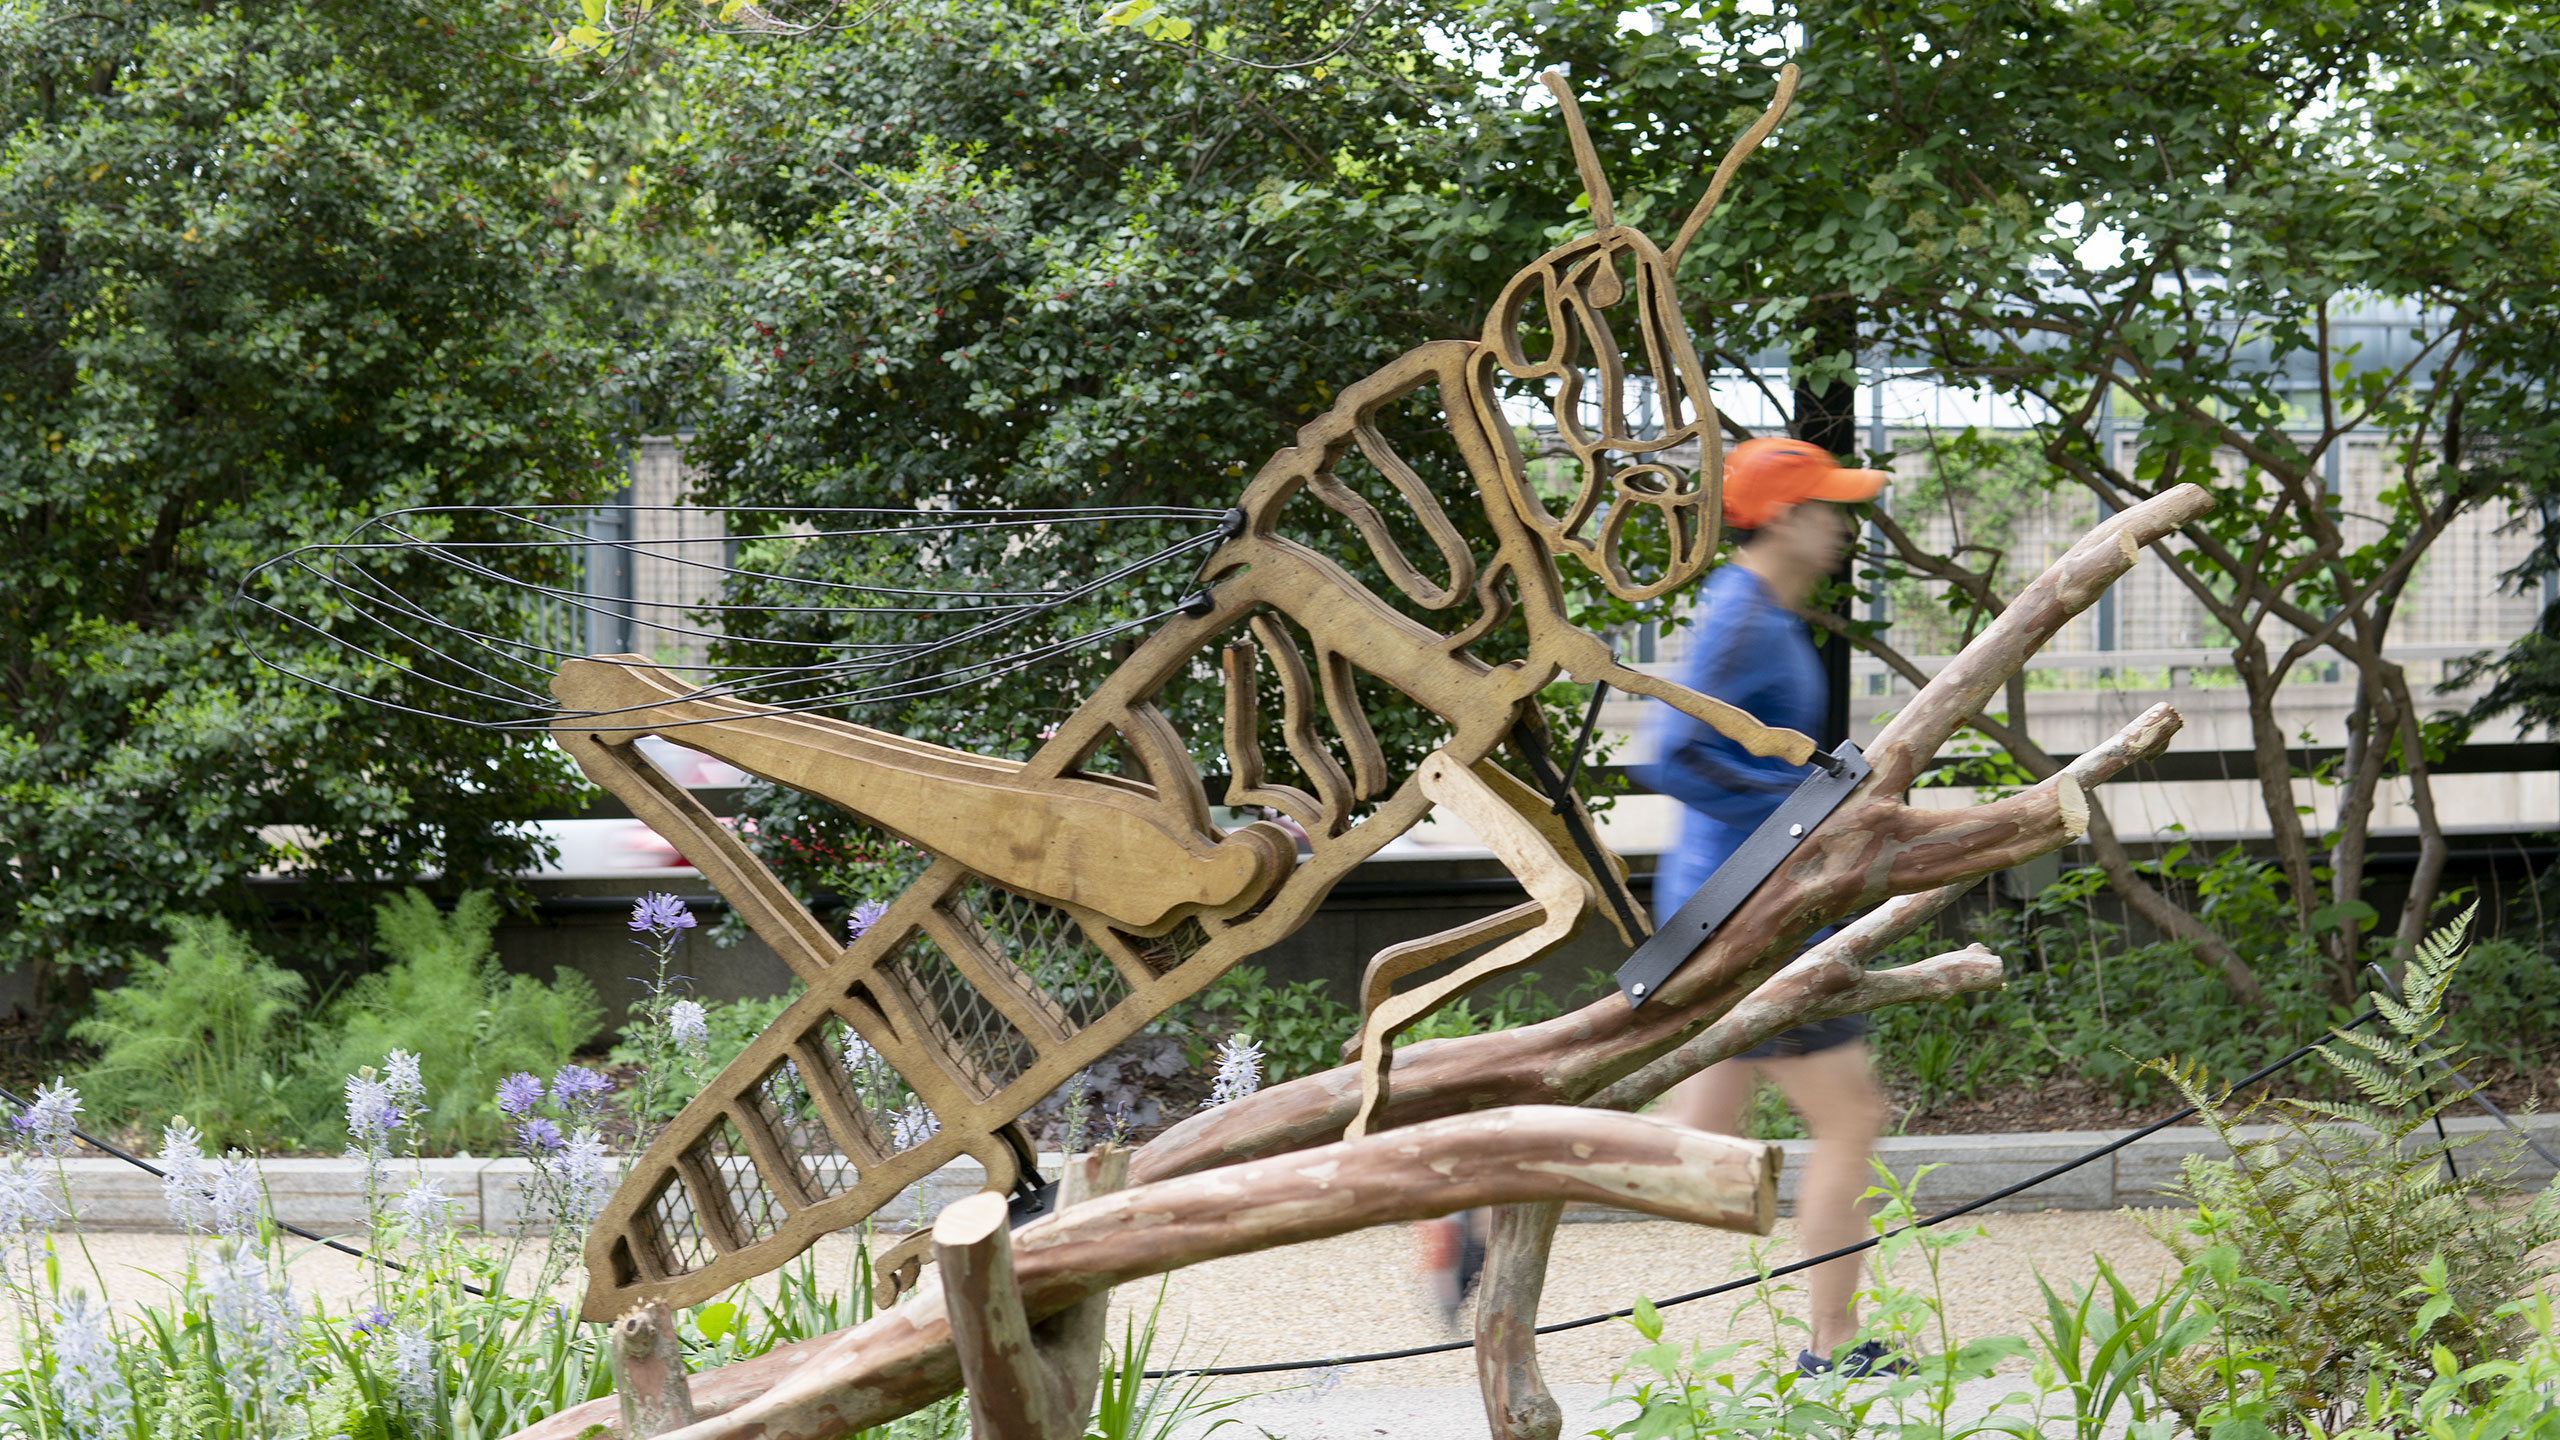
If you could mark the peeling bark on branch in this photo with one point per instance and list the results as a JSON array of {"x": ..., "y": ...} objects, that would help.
[{"x": 904, "y": 1358}]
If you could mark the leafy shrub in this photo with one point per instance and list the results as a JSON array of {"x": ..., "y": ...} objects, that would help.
[
  {"x": 1299, "y": 1026},
  {"x": 1518, "y": 1003},
  {"x": 215, "y": 1032},
  {"x": 444, "y": 999},
  {"x": 2080, "y": 1002},
  {"x": 2343, "y": 1252},
  {"x": 202, "y": 1033}
]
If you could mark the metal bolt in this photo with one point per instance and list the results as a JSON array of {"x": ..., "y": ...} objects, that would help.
[
  {"x": 1794, "y": 830},
  {"x": 1637, "y": 990}
]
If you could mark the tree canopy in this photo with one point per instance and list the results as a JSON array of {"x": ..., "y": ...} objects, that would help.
[
  {"x": 264, "y": 271},
  {"x": 1003, "y": 256}
]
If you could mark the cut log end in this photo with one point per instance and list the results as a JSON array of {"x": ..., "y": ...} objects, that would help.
[
  {"x": 968, "y": 1221},
  {"x": 1764, "y": 1210},
  {"x": 2073, "y": 803}
]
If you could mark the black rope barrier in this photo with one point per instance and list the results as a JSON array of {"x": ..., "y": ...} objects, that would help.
[
  {"x": 1762, "y": 1277},
  {"x": 342, "y": 1247}
]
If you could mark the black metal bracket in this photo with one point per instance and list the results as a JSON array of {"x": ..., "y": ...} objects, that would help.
[
  {"x": 1533, "y": 752},
  {"x": 1812, "y": 802}
]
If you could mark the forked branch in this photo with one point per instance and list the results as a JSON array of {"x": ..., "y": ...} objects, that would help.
[{"x": 905, "y": 1358}]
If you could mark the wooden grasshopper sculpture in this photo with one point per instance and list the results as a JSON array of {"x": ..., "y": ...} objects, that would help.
[{"x": 1064, "y": 907}]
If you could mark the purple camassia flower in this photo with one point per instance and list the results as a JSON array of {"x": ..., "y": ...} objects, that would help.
[
  {"x": 538, "y": 1136},
  {"x": 238, "y": 1206},
  {"x": 689, "y": 1023},
  {"x": 413, "y": 1358},
  {"x": 27, "y": 1204},
  {"x": 371, "y": 1113},
  {"x": 95, "y": 1399},
  {"x": 258, "y": 1323},
  {"x": 47, "y": 1124},
  {"x": 424, "y": 1210},
  {"x": 865, "y": 915},
  {"x": 586, "y": 1180},
  {"x": 660, "y": 914},
  {"x": 519, "y": 1093},
  {"x": 408, "y": 1088},
  {"x": 370, "y": 1321},
  {"x": 579, "y": 1091}
]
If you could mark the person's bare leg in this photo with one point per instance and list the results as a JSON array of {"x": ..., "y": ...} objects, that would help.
[
  {"x": 1713, "y": 1099},
  {"x": 1835, "y": 1091}
]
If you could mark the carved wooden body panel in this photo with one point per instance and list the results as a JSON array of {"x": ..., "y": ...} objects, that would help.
[{"x": 1065, "y": 908}]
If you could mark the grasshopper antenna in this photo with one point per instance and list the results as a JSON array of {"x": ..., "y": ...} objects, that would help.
[
  {"x": 1733, "y": 159},
  {"x": 1595, "y": 184},
  {"x": 1605, "y": 288}
]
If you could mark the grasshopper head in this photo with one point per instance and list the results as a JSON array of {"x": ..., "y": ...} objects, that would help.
[{"x": 1593, "y": 328}]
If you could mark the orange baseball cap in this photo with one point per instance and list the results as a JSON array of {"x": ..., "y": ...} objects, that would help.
[{"x": 1764, "y": 476}]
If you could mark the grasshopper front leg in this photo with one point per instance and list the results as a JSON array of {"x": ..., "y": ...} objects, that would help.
[{"x": 1559, "y": 898}]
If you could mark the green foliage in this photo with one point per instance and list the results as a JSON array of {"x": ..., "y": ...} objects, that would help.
[
  {"x": 219, "y": 1033},
  {"x": 2081, "y": 1003},
  {"x": 421, "y": 1357},
  {"x": 1300, "y": 1027},
  {"x": 2104, "y": 1362},
  {"x": 203, "y": 1033},
  {"x": 1518, "y": 1003},
  {"x": 1752, "y": 1387},
  {"x": 264, "y": 271},
  {"x": 2341, "y": 1250},
  {"x": 1009, "y": 258},
  {"x": 444, "y": 999},
  {"x": 1129, "y": 1406}
]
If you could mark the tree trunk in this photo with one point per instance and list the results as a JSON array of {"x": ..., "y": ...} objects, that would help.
[
  {"x": 1516, "y": 1403},
  {"x": 2275, "y": 780}
]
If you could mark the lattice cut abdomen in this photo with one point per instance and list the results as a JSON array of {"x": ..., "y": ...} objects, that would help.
[{"x": 959, "y": 1009}]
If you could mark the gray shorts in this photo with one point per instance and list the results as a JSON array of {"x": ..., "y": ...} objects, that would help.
[{"x": 1809, "y": 1039}]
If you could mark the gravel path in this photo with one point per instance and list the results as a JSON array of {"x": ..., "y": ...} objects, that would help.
[{"x": 1359, "y": 1293}]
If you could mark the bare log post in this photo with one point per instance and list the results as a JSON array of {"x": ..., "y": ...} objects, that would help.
[
  {"x": 1516, "y": 1402},
  {"x": 648, "y": 1373},
  {"x": 1025, "y": 1382},
  {"x": 1071, "y": 1340},
  {"x": 1013, "y": 1394}
]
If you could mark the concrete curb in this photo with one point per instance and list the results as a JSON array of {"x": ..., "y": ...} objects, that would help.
[{"x": 327, "y": 1195}]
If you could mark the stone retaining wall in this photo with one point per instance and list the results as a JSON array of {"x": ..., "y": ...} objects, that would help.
[{"x": 328, "y": 1195}]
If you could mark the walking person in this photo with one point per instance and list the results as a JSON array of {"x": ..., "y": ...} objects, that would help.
[{"x": 1751, "y": 649}]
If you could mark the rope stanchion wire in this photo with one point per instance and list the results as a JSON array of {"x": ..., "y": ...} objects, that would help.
[
  {"x": 342, "y": 1247},
  {"x": 1762, "y": 1277}
]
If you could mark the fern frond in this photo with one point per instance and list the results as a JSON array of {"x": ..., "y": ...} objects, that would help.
[
  {"x": 2383, "y": 1086},
  {"x": 2431, "y": 968},
  {"x": 2345, "y": 1112}
]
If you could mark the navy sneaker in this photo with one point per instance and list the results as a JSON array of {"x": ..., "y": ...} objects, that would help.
[{"x": 1868, "y": 1358}]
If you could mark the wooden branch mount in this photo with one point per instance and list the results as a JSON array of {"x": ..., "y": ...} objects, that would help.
[
  {"x": 907, "y": 1356},
  {"x": 1025, "y": 1381}
]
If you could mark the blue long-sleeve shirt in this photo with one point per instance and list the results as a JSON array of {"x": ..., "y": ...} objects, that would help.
[{"x": 1747, "y": 650}]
